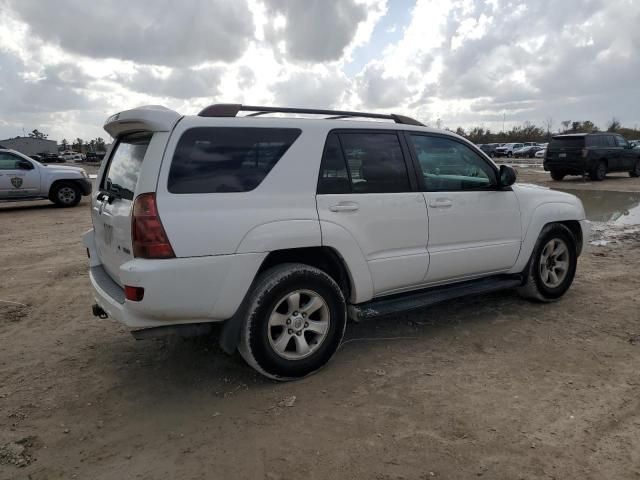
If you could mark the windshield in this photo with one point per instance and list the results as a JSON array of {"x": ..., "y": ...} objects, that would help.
[{"x": 122, "y": 173}]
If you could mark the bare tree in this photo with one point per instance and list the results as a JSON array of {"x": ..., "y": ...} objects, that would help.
[
  {"x": 613, "y": 125},
  {"x": 548, "y": 122}
]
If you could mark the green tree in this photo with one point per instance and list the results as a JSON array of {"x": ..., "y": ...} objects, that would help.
[
  {"x": 65, "y": 144},
  {"x": 35, "y": 133}
]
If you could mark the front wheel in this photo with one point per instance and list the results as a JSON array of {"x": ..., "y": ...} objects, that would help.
[
  {"x": 635, "y": 173},
  {"x": 295, "y": 319},
  {"x": 552, "y": 266},
  {"x": 65, "y": 194}
]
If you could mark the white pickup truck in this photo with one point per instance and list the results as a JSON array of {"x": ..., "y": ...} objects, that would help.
[{"x": 22, "y": 178}]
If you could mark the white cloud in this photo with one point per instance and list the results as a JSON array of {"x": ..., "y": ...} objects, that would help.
[{"x": 467, "y": 62}]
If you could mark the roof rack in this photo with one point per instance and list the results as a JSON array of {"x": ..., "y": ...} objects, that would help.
[{"x": 232, "y": 109}]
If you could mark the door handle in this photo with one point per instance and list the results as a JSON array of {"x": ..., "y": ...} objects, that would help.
[
  {"x": 345, "y": 207},
  {"x": 440, "y": 203}
]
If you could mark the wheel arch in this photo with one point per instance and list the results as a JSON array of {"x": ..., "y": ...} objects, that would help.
[
  {"x": 546, "y": 214},
  {"x": 324, "y": 258},
  {"x": 62, "y": 181}
]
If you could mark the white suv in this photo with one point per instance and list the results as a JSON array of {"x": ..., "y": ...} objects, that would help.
[{"x": 281, "y": 228}]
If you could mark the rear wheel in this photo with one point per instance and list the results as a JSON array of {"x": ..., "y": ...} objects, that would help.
[
  {"x": 65, "y": 194},
  {"x": 557, "y": 176},
  {"x": 552, "y": 266},
  {"x": 510, "y": 154},
  {"x": 599, "y": 172},
  {"x": 295, "y": 319},
  {"x": 636, "y": 170}
]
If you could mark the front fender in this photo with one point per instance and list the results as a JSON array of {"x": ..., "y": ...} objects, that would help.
[{"x": 544, "y": 214}]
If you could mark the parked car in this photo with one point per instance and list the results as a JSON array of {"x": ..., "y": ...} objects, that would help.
[
  {"x": 541, "y": 153},
  {"x": 594, "y": 154},
  {"x": 527, "y": 152},
  {"x": 507, "y": 149},
  {"x": 50, "y": 158},
  {"x": 23, "y": 178},
  {"x": 72, "y": 157},
  {"x": 489, "y": 148},
  {"x": 281, "y": 228}
]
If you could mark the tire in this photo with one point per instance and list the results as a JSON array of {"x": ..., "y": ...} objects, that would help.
[
  {"x": 557, "y": 176},
  {"x": 510, "y": 154},
  {"x": 273, "y": 337},
  {"x": 546, "y": 290},
  {"x": 493, "y": 154},
  {"x": 65, "y": 194},
  {"x": 635, "y": 173},
  {"x": 599, "y": 172}
]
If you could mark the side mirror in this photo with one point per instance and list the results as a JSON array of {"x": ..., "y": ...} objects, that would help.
[
  {"x": 24, "y": 165},
  {"x": 507, "y": 176}
]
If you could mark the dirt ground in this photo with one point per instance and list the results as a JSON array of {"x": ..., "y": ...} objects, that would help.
[{"x": 493, "y": 387}]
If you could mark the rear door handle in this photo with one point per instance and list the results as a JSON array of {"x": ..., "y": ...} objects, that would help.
[
  {"x": 440, "y": 203},
  {"x": 345, "y": 207}
]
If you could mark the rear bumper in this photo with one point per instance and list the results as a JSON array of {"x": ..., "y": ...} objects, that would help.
[
  {"x": 576, "y": 166},
  {"x": 176, "y": 291}
]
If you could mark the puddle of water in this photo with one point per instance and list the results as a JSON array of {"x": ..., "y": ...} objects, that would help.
[{"x": 613, "y": 208}]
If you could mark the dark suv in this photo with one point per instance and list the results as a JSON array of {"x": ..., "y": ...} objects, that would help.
[{"x": 592, "y": 153}]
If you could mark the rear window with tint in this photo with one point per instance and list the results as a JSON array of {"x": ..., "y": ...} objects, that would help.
[
  {"x": 567, "y": 142},
  {"x": 227, "y": 159},
  {"x": 122, "y": 173}
]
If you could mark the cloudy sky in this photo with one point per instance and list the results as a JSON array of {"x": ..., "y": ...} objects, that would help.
[{"x": 65, "y": 65}]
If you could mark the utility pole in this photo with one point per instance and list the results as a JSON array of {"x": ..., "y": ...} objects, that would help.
[{"x": 503, "y": 117}]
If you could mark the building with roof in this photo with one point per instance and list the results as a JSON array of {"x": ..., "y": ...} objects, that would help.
[{"x": 30, "y": 145}]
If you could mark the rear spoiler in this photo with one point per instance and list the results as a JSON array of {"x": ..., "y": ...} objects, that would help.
[{"x": 151, "y": 118}]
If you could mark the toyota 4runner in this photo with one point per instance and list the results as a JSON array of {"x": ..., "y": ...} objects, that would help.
[{"x": 281, "y": 228}]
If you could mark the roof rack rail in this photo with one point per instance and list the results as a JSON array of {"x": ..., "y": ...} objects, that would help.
[{"x": 232, "y": 109}]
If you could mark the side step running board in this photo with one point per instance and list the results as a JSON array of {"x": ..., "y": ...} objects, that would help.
[{"x": 415, "y": 300}]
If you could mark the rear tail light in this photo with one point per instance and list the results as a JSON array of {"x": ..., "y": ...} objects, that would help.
[
  {"x": 147, "y": 233},
  {"x": 134, "y": 294}
]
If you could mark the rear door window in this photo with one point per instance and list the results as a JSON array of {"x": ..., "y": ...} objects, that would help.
[
  {"x": 123, "y": 170},
  {"x": 227, "y": 159},
  {"x": 375, "y": 162},
  {"x": 334, "y": 178}
]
